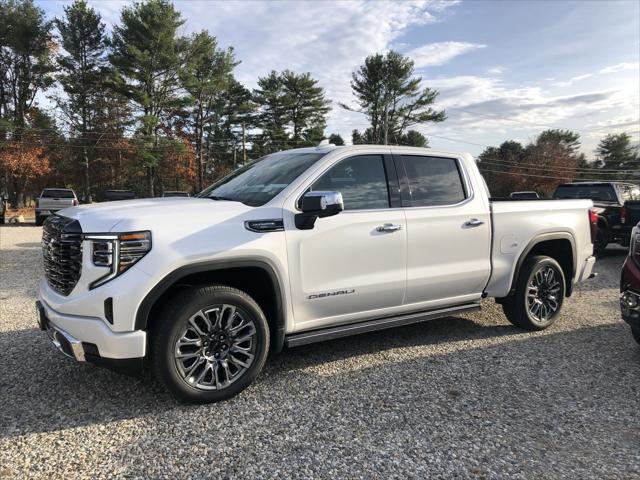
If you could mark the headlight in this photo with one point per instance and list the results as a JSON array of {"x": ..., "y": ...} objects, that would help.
[{"x": 118, "y": 252}]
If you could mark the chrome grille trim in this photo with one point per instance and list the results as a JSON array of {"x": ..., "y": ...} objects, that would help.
[{"x": 62, "y": 253}]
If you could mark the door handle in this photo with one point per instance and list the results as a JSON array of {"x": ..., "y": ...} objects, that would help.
[
  {"x": 474, "y": 222},
  {"x": 389, "y": 227}
]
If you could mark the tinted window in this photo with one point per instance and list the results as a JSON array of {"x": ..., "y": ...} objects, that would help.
[
  {"x": 603, "y": 193},
  {"x": 57, "y": 193},
  {"x": 361, "y": 180},
  {"x": 260, "y": 181},
  {"x": 433, "y": 180}
]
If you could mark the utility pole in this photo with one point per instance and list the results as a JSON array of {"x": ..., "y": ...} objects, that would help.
[
  {"x": 244, "y": 145},
  {"x": 235, "y": 151}
]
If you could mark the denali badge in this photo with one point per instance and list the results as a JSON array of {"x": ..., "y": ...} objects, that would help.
[{"x": 331, "y": 294}]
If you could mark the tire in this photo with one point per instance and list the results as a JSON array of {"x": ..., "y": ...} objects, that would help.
[
  {"x": 600, "y": 242},
  {"x": 536, "y": 312},
  {"x": 39, "y": 220},
  {"x": 213, "y": 368},
  {"x": 636, "y": 334}
]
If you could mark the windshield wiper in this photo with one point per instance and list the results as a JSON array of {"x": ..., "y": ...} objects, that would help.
[{"x": 215, "y": 197}]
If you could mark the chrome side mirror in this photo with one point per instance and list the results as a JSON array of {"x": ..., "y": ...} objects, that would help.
[{"x": 316, "y": 205}]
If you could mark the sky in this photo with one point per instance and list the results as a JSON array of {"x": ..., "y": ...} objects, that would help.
[{"x": 504, "y": 70}]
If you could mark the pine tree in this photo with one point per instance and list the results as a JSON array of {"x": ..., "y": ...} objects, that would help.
[
  {"x": 149, "y": 56},
  {"x": 289, "y": 102},
  {"x": 83, "y": 69},
  {"x": 305, "y": 107},
  {"x": 617, "y": 153},
  {"x": 271, "y": 116},
  {"x": 207, "y": 75},
  {"x": 391, "y": 97}
]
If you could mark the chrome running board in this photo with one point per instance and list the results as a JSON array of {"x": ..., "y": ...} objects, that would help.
[{"x": 313, "y": 336}]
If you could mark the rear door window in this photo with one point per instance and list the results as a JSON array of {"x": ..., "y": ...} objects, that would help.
[{"x": 434, "y": 181}]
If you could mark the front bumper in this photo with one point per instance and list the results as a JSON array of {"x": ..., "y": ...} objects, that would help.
[
  {"x": 630, "y": 308},
  {"x": 89, "y": 339}
]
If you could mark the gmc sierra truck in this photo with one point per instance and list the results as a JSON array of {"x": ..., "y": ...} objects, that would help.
[{"x": 298, "y": 247}]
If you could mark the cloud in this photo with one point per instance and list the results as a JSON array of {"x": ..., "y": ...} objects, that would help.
[
  {"x": 582, "y": 99},
  {"x": 573, "y": 80},
  {"x": 496, "y": 70},
  {"x": 434, "y": 54},
  {"x": 620, "y": 67},
  {"x": 487, "y": 110}
]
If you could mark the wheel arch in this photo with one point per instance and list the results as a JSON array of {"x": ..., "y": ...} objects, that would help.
[
  {"x": 560, "y": 246},
  {"x": 257, "y": 277}
]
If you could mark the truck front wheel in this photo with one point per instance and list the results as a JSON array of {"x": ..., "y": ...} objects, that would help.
[
  {"x": 539, "y": 293},
  {"x": 209, "y": 343}
]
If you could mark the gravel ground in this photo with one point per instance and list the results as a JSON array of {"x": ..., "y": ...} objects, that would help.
[{"x": 464, "y": 397}]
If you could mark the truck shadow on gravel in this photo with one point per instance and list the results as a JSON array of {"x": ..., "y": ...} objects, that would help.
[{"x": 434, "y": 364}]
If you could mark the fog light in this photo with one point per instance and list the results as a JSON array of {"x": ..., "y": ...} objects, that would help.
[{"x": 630, "y": 300}]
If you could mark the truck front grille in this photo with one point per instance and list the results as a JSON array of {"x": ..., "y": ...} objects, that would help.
[{"x": 62, "y": 253}]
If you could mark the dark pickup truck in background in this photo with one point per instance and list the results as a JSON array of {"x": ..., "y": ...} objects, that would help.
[{"x": 617, "y": 205}]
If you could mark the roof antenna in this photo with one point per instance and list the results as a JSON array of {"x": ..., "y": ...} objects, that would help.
[{"x": 325, "y": 143}]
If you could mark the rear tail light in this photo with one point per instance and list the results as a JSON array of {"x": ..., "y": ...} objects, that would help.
[
  {"x": 623, "y": 214},
  {"x": 75, "y": 202},
  {"x": 593, "y": 224}
]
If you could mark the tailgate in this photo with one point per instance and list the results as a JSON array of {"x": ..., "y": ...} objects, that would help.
[{"x": 47, "y": 203}]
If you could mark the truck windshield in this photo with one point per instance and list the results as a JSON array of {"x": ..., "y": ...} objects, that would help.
[
  {"x": 602, "y": 193},
  {"x": 258, "y": 182}
]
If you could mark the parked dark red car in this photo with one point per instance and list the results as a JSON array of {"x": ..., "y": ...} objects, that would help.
[{"x": 630, "y": 285}]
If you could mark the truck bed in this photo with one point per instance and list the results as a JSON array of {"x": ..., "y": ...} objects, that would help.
[{"x": 515, "y": 223}]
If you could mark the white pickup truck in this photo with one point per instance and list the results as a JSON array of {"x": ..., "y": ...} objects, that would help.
[
  {"x": 53, "y": 199},
  {"x": 298, "y": 247}
]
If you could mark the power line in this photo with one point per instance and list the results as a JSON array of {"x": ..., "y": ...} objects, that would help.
[
  {"x": 553, "y": 177},
  {"x": 503, "y": 163}
]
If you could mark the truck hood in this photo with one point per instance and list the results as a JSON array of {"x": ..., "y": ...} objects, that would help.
[{"x": 145, "y": 214}]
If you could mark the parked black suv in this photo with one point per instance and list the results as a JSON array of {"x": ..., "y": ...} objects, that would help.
[{"x": 617, "y": 205}]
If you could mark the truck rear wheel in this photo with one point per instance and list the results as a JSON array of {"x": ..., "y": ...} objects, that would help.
[
  {"x": 539, "y": 293},
  {"x": 39, "y": 220},
  {"x": 209, "y": 344}
]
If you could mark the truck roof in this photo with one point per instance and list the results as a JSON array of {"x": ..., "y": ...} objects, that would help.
[{"x": 326, "y": 148}]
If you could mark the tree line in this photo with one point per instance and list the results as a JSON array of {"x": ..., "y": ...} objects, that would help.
[
  {"x": 147, "y": 109},
  {"x": 552, "y": 158}
]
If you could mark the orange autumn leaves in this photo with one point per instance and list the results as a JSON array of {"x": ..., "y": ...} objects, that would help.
[{"x": 24, "y": 162}]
